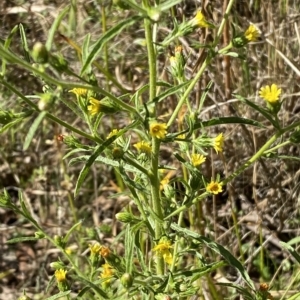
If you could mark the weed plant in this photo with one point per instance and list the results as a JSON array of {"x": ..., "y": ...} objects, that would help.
[{"x": 162, "y": 151}]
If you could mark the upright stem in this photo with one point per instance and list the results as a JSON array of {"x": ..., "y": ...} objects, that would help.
[
  {"x": 151, "y": 64},
  {"x": 156, "y": 203},
  {"x": 154, "y": 176}
]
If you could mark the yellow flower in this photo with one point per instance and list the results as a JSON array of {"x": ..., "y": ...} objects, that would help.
[
  {"x": 164, "y": 182},
  {"x": 158, "y": 130},
  {"x": 143, "y": 146},
  {"x": 214, "y": 187},
  {"x": 199, "y": 20},
  {"x": 197, "y": 159},
  {"x": 252, "y": 33},
  {"x": 79, "y": 91},
  {"x": 95, "y": 106},
  {"x": 112, "y": 133},
  {"x": 163, "y": 250},
  {"x": 219, "y": 143},
  {"x": 270, "y": 93},
  {"x": 95, "y": 248},
  {"x": 60, "y": 275},
  {"x": 107, "y": 272}
]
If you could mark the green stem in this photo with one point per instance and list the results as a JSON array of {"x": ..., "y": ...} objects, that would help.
[
  {"x": 155, "y": 183},
  {"x": 220, "y": 30},
  {"x": 188, "y": 91},
  {"x": 134, "y": 163},
  {"x": 65, "y": 84},
  {"x": 151, "y": 63}
]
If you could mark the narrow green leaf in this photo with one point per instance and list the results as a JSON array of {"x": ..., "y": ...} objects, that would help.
[
  {"x": 24, "y": 43},
  {"x": 83, "y": 291},
  {"x": 105, "y": 160},
  {"x": 218, "y": 249},
  {"x": 243, "y": 291},
  {"x": 57, "y": 296},
  {"x": 170, "y": 91},
  {"x": 228, "y": 120},
  {"x": 11, "y": 124},
  {"x": 168, "y": 4},
  {"x": 54, "y": 27},
  {"x": 111, "y": 33},
  {"x": 22, "y": 239},
  {"x": 291, "y": 250},
  {"x": 261, "y": 110},
  {"x": 35, "y": 125},
  {"x": 93, "y": 286},
  {"x": 66, "y": 238},
  {"x": 295, "y": 297},
  {"x": 6, "y": 46},
  {"x": 91, "y": 160},
  {"x": 85, "y": 51},
  {"x": 129, "y": 246}
]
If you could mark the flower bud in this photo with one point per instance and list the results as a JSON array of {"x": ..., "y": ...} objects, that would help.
[
  {"x": 117, "y": 153},
  {"x": 60, "y": 241},
  {"x": 127, "y": 280},
  {"x": 57, "y": 265},
  {"x": 124, "y": 217},
  {"x": 40, "y": 53}
]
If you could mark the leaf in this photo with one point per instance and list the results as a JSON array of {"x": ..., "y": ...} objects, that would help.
[
  {"x": 93, "y": 286},
  {"x": 54, "y": 27},
  {"x": 227, "y": 120},
  {"x": 91, "y": 160},
  {"x": 129, "y": 247},
  {"x": 243, "y": 291},
  {"x": 291, "y": 250},
  {"x": 111, "y": 33},
  {"x": 218, "y": 249},
  {"x": 168, "y": 4},
  {"x": 6, "y": 46},
  {"x": 60, "y": 295},
  {"x": 11, "y": 124},
  {"x": 22, "y": 239},
  {"x": 170, "y": 91},
  {"x": 35, "y": 125},
  {"x": 24, "y": 43},
  {"x": 294, "y": 297},
  {"x": 261, "y": 110},
  {"x": 105, "y": 160}
]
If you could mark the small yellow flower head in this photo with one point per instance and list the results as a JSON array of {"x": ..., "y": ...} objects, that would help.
[
  {"x": 60, "y": 275},
  {"x": 95, "y": 248},
  {"x": 270, "y": 93},
  {"x": 197, "y": 159},
  {"x": 95, "y": 106},
  {"x": 163, "y": 250},
  {"x": 164, "y": 182},
  {"x": 112, "y": 133},
  {"x": 199, "y": 20},
  {"x": 158, "y": 130},
  {"x": 219, "y": 143},
  {"x": 252, "y": 33},
  {"x": 107, "y": 272},
  {"x": 214, "y": 187},
  {"x": 143, "y": 147},
  {"x": 79, "y": 92}
]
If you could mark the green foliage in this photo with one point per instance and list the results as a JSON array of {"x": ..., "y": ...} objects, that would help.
[{"x": 161, "y": 256}]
